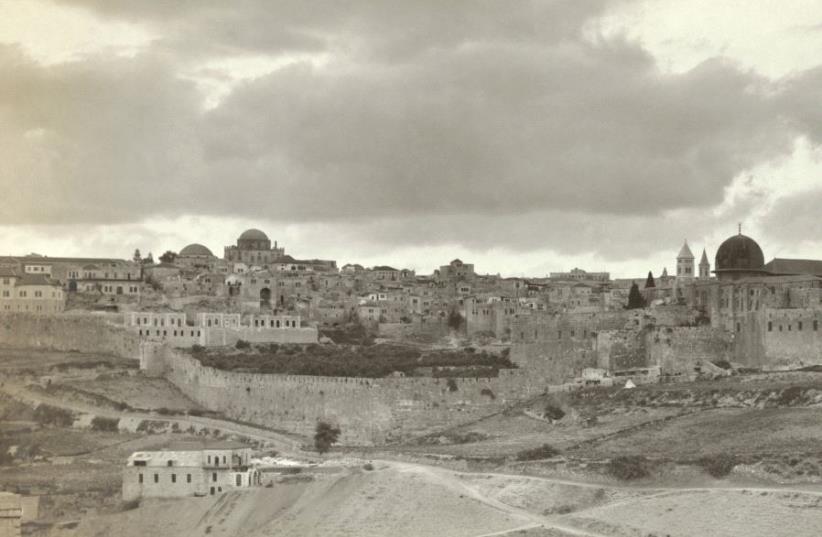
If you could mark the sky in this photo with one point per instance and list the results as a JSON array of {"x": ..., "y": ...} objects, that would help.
[{"x": 524, "y": 137}]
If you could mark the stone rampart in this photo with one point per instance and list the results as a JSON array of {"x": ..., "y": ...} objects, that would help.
[
  {"x": 368, "y": 411},
  {"x": 92, "y": 333}
]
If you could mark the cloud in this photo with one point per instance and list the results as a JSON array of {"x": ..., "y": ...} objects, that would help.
[{"x": 431, "y": 123}]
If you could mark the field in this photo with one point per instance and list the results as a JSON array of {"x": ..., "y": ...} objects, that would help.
[
  {"x": 372, "y": 361},
  {"x": 541, "y": 468}
]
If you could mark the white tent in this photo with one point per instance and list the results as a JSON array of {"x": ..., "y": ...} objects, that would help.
[{"x": 630, "y": 384}]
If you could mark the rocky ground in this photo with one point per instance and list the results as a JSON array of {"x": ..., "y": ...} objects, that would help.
[{"x": 737, "y": 456}]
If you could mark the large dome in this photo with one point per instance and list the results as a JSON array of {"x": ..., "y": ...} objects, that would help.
[
  {"x": 739, "y": 254},
  {"x": 196, "y": 250},
  {"x": 253, "y": 235}
]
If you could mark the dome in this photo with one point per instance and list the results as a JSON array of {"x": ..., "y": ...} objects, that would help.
[
  {"x": 253, "y": 235},
  {"x": 196, "y": 250},
  {"x": 739, "y": 253}
]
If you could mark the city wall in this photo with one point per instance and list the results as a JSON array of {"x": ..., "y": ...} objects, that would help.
[
  {"x": 92, "y": 333},
  {"x": 368, "y": 411}
]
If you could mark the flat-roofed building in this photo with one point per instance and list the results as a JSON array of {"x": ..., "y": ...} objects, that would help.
[{"x": 189, "y": 469}]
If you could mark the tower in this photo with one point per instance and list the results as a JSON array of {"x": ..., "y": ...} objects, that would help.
[
  {"x": 685, "y": 262},
  {"x": 704, "y": 266}
]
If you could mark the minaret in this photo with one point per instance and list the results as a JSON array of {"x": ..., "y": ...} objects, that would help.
[
  {"x": 685, "y": 262},
  {"x": 704, "y": 266}
]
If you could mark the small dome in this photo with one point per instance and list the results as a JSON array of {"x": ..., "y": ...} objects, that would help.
[
  {"x": 253, "y": 235},
  {"x": 196, "y": 250},
  {"x": 739, "y": 253}
]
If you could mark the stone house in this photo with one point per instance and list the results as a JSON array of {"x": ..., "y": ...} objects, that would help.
[{"x": 189, "y": 469}]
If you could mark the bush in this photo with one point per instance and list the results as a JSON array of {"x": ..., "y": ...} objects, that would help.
[
  {"x": 545, "y": 451},
  {"x": 790, "y": 396},
  {"x": 101, "y": 423},
  {"x": 242, "y": 344},
  {"x": 554, "y": 412},
  {"x": 325, "y": 435},
  {"x": 368, "y": 466},
  {"x": 488, "y": 393},
  {"x": 629, "y": 467},
  {"x": 718, "y": 465},
  {"x": 197, "y": 349},
  {"x": 129, "y": 505},
  {"x": 52, "y": 415}
]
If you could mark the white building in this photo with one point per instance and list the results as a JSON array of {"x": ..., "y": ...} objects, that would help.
[{"x": 189, "y": 469}]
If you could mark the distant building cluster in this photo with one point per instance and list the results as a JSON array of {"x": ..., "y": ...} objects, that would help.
[{"x": 258, "y": 293}]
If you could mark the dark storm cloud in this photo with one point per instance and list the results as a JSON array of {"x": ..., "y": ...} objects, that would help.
[{"x": 474, "y": 111}]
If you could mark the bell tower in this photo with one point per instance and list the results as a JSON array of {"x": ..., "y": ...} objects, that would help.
[{"x": 685, "y": 262}]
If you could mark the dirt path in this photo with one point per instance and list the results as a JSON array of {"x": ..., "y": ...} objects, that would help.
[{"x": 283, "y": 443}]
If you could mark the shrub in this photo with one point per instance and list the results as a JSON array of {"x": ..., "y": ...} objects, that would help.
[
  {"x": 545, "y": 451},
  {"x": 130, "y": 504},
  {"x": 629, "y": 467},
  {"x": 554, "y": 412},
  {"x": 242, "y": 344},
  {"x": 452, "y": 385},
  {"x": 790, "y": 396},
  {"x": 718, "y": 465},
  {"x": 102, "y": 423},
  {"x": 488, "y": 393},
  {"x": 197, "y": 349},
  {"x": 368, "y": 466},
  {"x": 52, "y": 415},
  {"x": 325, "y": 435}
]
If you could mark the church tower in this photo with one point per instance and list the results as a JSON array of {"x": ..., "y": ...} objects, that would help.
[
  {"x": 685, "y": 262},
  {"x": 704, "y": 266}
]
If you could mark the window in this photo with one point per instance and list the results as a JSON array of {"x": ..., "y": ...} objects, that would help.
[
  {"x": 140, "y": 478},
  {"x": 156, "y": 478},
  {"x": 239, "y": 480},
  {"x": 188, "y": 478},
  {"x": 815, "y": 325},
  {"x": 214, "y": 476},
  {"x": 173, "y": 478},
  {"x": 209, "y": 459},
  {"x": 770, "y": 326},
  {"x": 170, "y": 463},
  {"x": 223, "y": 459},
  {"x": 799, "y": 326}
]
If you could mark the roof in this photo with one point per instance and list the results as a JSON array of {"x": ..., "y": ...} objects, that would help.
[
  {"x": 739, "y": 253},
  {"x": 685, "y": 252},
  {"x": 7, "y": 273},
  {"x": 253, "y": 234},
  {"x": 35, "y": 279},
  {"x": 196, "y": 249},
  {"x": 384, "y": 268},
  {"x": 704, "y": 260},
  {"x": 794, "y": 266}
]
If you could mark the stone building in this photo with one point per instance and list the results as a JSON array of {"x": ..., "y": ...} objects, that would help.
[
  {"x": 196, "y": 256},
  {"x": 11, "y": 514},
  {"x": 30, "y": 293},
  {"x": 254, "y": 249},
  {"x": 189, "y": 469},
  {"x": 578, "y": 274}
]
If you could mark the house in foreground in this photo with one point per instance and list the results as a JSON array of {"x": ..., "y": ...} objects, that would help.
[{"x": 189, "y": 469}]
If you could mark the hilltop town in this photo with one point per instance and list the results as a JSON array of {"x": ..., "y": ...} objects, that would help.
[{"x": 197, "y": 375}]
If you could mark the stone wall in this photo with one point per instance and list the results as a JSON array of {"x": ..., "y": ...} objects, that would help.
[
  {"x": 92, "y": 333},
  {"x": 368, "y": 411}
]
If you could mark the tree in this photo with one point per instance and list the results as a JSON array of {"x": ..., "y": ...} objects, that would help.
[
  {"x": 650, "y": 281},
  {"x": 168, "y": 257},
  {"x": 455, "y": 319},
  {"x": 635, "y": 300},
  {"x": 149, "y": 259},
  {"x": 325, "y": 435}
]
